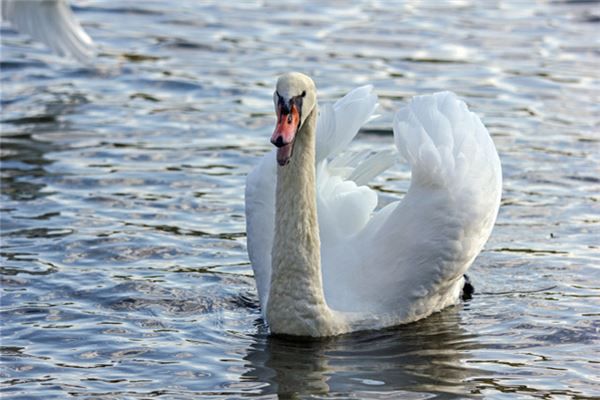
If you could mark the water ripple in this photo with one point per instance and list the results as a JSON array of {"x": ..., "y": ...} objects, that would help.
[{"x": 124, "y": 271}]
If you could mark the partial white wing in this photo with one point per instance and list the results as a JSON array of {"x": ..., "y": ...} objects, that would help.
[
  {"x": 344, "y": 203},
  {"x": 260, "y": 222},
  {"x": 339, "y": 123},
  {"x": 51, "y": 22},
  {"x": 409, "y": 259}
]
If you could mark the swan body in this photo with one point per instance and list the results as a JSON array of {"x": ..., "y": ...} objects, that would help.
[
  {"x": 51, "y": 22},
  {"x": 325, "y": 260}
]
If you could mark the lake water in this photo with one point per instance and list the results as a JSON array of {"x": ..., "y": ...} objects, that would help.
[{"x": 124, "y": 268}]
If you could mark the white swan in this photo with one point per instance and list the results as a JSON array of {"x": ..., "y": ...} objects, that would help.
[
  {"x": 324, "y": 262},
  {"x": 51, "y": 22}
]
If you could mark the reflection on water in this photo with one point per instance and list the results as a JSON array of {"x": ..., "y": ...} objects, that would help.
[
  {"x": 123, "y": 268},
  {"x": 429, "y": 357}
]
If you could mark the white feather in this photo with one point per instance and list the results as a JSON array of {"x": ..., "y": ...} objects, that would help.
[{"x": 51, "y": 22}]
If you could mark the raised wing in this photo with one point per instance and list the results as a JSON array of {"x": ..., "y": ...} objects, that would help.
[
  {"x": 409, "y": 259},
  {"x": 51, "y": 22},
  {"x": 339, "y": 123}
]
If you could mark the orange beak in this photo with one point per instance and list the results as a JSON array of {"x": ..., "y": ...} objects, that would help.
[{"x": 285, "y": 133}]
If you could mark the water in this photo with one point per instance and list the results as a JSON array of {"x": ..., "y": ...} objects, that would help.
[{"x": 124, "y": 267}]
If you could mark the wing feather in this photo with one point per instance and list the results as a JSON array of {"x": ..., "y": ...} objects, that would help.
[
  {"x": 51, "y": 22},
  {"x": 409, "y": 259},
  {"x": 260, "y": 222}
]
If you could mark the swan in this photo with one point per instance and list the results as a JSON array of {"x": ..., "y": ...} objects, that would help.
[
  {"x": 325, "y": 261},
  {"x": 51, "y": 22}
]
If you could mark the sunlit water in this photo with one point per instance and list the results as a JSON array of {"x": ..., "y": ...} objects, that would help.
[{"x": 124, "y": 266}]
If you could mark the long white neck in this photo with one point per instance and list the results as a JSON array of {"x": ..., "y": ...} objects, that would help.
[{"x": 296, "y": 303}]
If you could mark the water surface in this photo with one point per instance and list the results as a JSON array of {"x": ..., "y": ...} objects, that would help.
[{"x": 124, "y": 267}]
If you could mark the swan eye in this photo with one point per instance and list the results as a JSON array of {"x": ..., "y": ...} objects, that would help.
[{"x": 303, "y": 93}]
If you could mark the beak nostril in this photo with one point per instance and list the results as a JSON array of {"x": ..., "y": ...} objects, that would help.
[{"x": 279, "y": 141}]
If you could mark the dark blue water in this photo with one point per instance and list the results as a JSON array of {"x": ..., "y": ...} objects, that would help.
[{"x": 124, "y": 267}]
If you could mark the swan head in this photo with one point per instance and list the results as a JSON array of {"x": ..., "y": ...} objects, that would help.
[{"x": 294, "y": 98}]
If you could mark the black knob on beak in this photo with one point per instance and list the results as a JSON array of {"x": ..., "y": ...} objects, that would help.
[{"x": 279, "y": 141}]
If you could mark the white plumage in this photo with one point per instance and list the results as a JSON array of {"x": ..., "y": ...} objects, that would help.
[
  {"x": 51, "y": 22},
  {"x": 407, "y": 260}
]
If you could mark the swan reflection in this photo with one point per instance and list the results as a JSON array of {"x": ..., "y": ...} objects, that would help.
[{"x": 427, "y": 356}]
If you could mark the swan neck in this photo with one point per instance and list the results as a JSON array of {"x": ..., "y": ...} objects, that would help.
[{"x": 296, "y": 303}]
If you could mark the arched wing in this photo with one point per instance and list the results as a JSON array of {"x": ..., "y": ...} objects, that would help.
[{"x": 409, "y": 258}]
